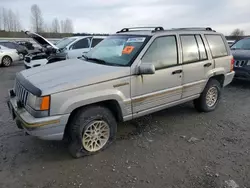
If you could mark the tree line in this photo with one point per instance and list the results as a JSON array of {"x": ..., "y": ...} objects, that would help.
[
  {"x": 9, "y": 21},
  {"x": 236, "y": 34}
]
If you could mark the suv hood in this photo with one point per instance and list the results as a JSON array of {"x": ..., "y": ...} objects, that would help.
[
  {"x": 241, "y": 54},
  {"x": 70, "y": 74},
  {"x": 39, "y": 39}
]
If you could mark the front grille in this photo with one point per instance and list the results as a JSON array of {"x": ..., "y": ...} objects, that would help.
[
  {"x": 39, "y": 56},
  {"x": 240, "y": 63},
  {"x": 21, "y": 93},
  {"x": 27, "y": 59}
]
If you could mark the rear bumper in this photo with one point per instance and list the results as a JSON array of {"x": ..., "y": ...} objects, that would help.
[
  {"x": 243, "y": 74},
  {"x": 229, "y": 78},
  {"x": 48, "y": 128},
  {"x": 15, "y": 57}
]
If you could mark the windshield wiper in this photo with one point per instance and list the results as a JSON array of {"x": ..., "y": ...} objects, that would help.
[{"x": 100, "y": 61}]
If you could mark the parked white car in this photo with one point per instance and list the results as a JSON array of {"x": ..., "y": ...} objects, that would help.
[
  {"x": 7, "y": 56},
  {"x": 67, "y": 48}
]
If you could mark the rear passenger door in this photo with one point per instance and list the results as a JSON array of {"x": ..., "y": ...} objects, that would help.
[{"x": 196, "y": 64}]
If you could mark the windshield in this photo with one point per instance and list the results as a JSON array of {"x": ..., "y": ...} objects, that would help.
[
  {"x": 243, "y": 44},
  {"x": 64, "y": 42},
  {"x": 118, "y": 50}
]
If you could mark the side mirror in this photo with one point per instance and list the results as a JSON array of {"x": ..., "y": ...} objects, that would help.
[{"x": 146, "y": 68}]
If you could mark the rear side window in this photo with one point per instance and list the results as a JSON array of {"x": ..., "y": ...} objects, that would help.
[
  {"x": 217, "y": 45},
  {"x": 162, "y": 52},
  {"x": 95, "y": 41},
  {"x": 83, "y": 43},
  {"x": 189, "y": 48},
  {"x": 202, "y": 50},
  {"x": 8, "y": 45}
]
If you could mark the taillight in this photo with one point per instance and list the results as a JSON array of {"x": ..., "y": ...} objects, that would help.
[{"x": 232, "y": 65}]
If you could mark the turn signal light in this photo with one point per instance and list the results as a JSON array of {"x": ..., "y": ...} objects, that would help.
[{"x": 45, "y": 103}]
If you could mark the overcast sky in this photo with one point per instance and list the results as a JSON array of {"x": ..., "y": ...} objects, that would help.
[{"x": 108, "y": 16}]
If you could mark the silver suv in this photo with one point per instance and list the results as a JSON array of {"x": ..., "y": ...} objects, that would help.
[{"x": 132, "y": 73}]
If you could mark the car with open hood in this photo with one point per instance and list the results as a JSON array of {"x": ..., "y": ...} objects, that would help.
[
  {"x": 135, "y": 72},
  {"x": 66, "y": 48},
  {"x": 241, "y": 53}
]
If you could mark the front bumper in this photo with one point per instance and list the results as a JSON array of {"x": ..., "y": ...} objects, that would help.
[
  {"x": 229, "y": 78},
  {"x": 35, "y": 63},
  {"x": 26, "y": 66},
  {"x": 47, "y": 128}
]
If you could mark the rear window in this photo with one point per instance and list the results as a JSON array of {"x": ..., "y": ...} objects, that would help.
[{"x": 217, "y": 45}]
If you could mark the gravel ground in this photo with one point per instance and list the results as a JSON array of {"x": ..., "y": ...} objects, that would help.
[{"x": 177, "y": 147}]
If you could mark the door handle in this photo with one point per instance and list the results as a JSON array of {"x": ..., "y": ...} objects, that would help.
[
  {"x": 177, "y": 72},
  {"x": 207, "y": 64}
]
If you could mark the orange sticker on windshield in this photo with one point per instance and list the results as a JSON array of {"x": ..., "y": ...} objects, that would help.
[{"x": 128, "y": 50}]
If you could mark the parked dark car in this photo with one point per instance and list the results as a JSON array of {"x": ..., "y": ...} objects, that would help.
[
  {"x": 22, "y": 50},
  {"x": 241, "y": 53}
]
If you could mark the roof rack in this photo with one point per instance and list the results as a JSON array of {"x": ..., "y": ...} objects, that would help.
[
  {"x": 195, "y": 29},
  {"x": 153, "y": 29}
]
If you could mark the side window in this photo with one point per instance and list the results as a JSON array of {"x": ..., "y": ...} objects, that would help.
[
  {"x": 11, "y": 45},
  {"x": 202, "y": 50},
  {"x": 95, "y": 41},
  {"x": 7, "y": 44},
  {"x": 189, "y": 49},
  {"x": 217, "y": 45},
  {"x": 162, "y": 52},
  {"x": 83, "y": 43}
]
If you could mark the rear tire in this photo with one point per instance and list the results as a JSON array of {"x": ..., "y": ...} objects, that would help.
[
  {"x": 6, "y": 61},
  {"x": 209, "y": 98},
  {"x": 91, "y": 130}
]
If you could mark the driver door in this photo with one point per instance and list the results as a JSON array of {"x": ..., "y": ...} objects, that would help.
[{"x": 153, "y": 92}]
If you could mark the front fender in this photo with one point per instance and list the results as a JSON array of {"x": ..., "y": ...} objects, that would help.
[{"x": 83, "y": 99}]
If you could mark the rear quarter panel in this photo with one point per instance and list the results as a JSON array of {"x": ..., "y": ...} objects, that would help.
[
  {"x": 222, "y": 65},
  {"x": 11, "y": 53}
]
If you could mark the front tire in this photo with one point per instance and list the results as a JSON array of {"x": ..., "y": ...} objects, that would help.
[
  {"x": 92, "y": 129},
  {"x": 209, "y": 98},
  {"x": 6, "y": 61}
]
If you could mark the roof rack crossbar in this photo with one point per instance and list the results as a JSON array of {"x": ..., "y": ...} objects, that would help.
[
  {"x": 195, "y": 28},
  {"x": 141, "y": 29}
]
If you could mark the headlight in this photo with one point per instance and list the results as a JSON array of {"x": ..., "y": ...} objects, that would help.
[{"x": 38, "y": 103}]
